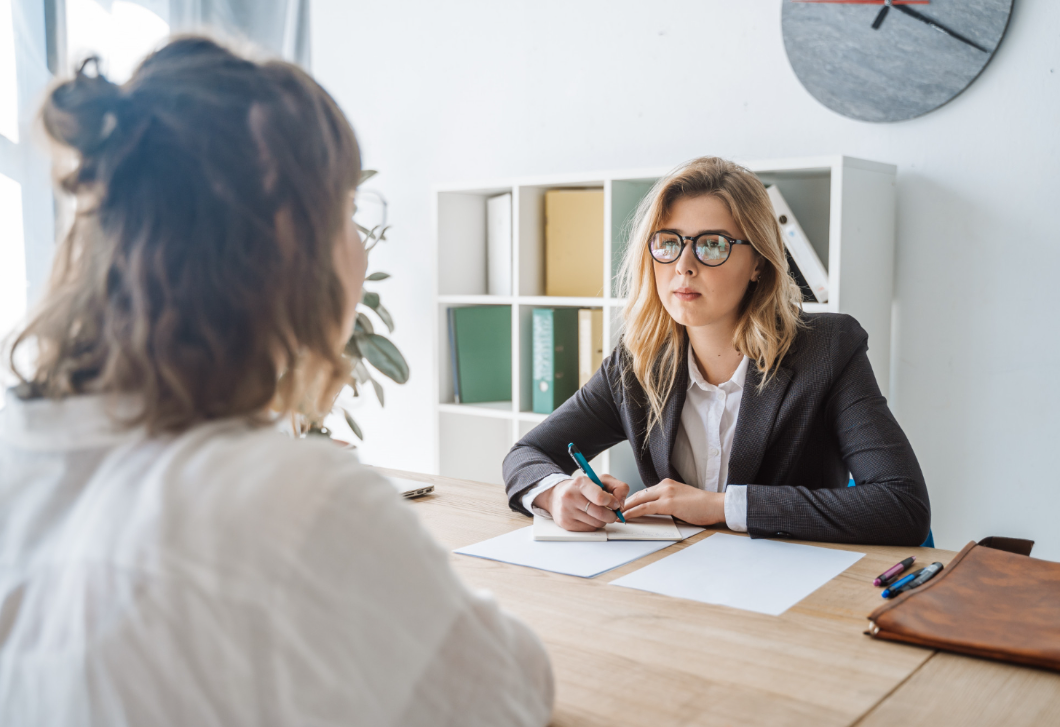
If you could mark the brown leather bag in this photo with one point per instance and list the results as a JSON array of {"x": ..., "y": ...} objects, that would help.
[{"x": 987, "y": 602}]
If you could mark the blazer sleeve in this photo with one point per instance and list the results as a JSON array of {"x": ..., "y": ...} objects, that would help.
[
  {"x": 590, "y": 419},
  {"x": 889, "y": 505}
]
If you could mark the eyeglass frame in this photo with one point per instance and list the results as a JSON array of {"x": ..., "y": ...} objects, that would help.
[{"x": 693, "y": 238}]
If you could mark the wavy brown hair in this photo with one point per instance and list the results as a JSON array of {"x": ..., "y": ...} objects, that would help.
[
  {"x": 176, "y": 283},
  {"x": 770, "y": 310}
]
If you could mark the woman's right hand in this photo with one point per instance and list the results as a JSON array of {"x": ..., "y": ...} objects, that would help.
[{"x": 580, "y": 505}]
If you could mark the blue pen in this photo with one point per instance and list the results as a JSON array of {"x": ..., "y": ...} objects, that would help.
[
  {"x": 893, "y": 588},
  {"x": 583, "y": 465}
]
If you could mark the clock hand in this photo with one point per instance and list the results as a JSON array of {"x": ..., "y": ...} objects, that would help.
[
  {"x": 933, "y": 23},
  {"x": 881, "y": 15}
]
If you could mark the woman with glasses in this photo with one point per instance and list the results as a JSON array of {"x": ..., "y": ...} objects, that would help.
[{"x": 740, "y": 408}]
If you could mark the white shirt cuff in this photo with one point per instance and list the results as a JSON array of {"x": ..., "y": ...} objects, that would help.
[
  {"x": 550, "y": 481},
  {"x": 736, "y": 508}
]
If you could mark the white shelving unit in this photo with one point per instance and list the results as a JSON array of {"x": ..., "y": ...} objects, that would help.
[{"x": 845, "y": 205}]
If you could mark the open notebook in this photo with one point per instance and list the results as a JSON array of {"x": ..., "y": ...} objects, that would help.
[{"x": 649, "y": 527}]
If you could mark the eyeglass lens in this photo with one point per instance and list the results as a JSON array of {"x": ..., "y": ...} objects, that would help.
[{"x": 708, "y": 249}]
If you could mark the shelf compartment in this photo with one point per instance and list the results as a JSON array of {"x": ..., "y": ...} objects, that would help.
[
  {"x": 461, "y": 229},
  {"x": 529, "y": 224}
]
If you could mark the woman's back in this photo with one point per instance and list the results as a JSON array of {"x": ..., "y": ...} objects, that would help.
[{"x": 229, "y": 575}]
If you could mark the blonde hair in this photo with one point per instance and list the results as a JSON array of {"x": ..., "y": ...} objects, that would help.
[
  {"x": 770, "y": 310},
  {"x": 176, "y": 282}
]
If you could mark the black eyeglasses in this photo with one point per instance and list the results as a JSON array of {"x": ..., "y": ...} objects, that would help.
[{"x": 710, "y": 248}]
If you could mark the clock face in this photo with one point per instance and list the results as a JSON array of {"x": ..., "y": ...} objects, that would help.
[{"x": 921, "y": 54}]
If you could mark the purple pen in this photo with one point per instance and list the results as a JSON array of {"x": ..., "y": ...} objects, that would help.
[{"x": 893, "y": 572}]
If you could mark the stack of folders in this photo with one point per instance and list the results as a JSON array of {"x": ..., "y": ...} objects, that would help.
[
  {"x": 803, "y": 262},
  {"x": 480, "y": 345},
  {"x": 567, "y": 349}
]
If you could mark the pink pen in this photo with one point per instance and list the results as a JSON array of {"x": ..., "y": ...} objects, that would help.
[{"x": 891, "y": 573}]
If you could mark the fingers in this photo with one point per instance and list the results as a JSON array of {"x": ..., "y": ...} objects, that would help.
[
  {"x": 654, "y": 507},
  {"x": 617, "y": 487},
  {"x": 591, "y": 492},
  {"x": 649, "y": 501}
]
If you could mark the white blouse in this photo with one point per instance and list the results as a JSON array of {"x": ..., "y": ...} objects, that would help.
[
  {"x": 232, "y": 576},
  {"x": 703, "y": 444}
]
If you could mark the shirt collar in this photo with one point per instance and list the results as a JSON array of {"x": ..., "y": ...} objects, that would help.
[{"x": 734, "y": 384}]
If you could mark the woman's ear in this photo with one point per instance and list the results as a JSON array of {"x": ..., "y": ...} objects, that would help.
[{"x": 760, "y": 262}]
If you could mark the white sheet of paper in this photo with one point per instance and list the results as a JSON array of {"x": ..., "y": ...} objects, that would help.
[
  {"x": 649, "y": 527},
  {"x": 584, "y": 560},
  {"x": 767, "y": 576}
]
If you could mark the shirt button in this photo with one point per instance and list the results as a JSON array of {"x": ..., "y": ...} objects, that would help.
[{"x": 714, "y": 452}]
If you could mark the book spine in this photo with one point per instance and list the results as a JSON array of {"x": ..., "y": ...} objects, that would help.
[
  {"x": 542, "y": 354},
  {"x": 453, "y": 356},
  {"x": 802, "y": 252},
  {"x": 590, "y": 343},
  {"x": 564, "y": 354},
  {"x": 499, "y": 245},
  {"x": 585, "y": 346}
]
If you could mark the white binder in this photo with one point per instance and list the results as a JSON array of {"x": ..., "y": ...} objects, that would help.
[{"x": 799, "y": 246}]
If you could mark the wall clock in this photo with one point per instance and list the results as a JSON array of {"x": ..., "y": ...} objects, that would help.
[{"x": 890, "y": 60}]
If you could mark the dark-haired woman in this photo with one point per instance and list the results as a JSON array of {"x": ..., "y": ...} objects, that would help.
[{"x": 166, "y": 558}]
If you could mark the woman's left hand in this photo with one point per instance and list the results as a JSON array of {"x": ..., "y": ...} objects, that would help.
[{"x": 684, "y": 502}]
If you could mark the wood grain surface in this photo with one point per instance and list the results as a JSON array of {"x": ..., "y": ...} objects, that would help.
[
  {"x": 627, "y": 657},
  {"x": 950, "y": 689}
]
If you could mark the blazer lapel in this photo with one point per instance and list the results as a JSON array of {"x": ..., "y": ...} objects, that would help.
[
  {"x": 758, "y": 412},
  {"x": 663, "y": 446}
]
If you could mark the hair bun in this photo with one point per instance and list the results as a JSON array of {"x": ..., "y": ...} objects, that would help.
[{"x": 83, "y": 112}]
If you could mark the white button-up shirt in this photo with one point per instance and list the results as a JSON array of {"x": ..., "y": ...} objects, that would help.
[
  {"x": 703, "y": 445},
  {"x": 229, "y": 575}
]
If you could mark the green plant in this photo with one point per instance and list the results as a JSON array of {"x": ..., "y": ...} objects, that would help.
[{"x": 367, "y": 349}]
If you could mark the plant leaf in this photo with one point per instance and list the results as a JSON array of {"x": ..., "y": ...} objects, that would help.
[
  {"x": 378, "y": 390},
  {"x": 384, "y": 315},
  {"x": 367, "y": 174},
  {"x": 353, "y": 425},
  {"x": 370, "y": 299},
  {"x": 361, "y": 371},
  {"x": 378, "y": 276},
  {"x": 364, "y": 323},
  {"x": 352, "y": 349},
  {"x": 384, "y": 355}
]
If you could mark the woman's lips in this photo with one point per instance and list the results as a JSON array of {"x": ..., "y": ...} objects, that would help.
[{"x": 685, "y": 294}]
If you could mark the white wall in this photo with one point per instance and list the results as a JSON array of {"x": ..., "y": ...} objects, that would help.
[{"x": 461, "y": 91}]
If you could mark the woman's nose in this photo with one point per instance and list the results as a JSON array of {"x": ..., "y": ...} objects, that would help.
[{"x": 686, "y": 264}]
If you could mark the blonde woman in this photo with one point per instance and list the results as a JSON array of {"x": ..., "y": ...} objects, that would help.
[
  {"x": 740, "y": 408},
  {"x": 168, "y": 558}
]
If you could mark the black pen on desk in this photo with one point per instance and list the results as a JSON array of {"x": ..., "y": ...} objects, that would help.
[{"x": 923, "y": 576}]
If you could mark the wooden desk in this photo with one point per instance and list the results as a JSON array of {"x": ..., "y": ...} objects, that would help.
[{"x": 627, "y": 657}]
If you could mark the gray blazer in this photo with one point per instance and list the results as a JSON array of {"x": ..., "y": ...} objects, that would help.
[{"x": 821, "y": 416}]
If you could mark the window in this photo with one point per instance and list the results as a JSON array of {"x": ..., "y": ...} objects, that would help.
[
  {"x": 8, "y": 76},
  {"x": 120, "y": 32},
  {"x": 12, "y": 255}
]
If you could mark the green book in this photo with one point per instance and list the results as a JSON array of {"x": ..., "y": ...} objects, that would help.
[
  {"x": 555, "y": 357},
  {"x": 481, "y": 340}
]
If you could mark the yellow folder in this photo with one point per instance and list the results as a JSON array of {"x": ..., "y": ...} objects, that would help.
[{"x": 574, "y": 242}]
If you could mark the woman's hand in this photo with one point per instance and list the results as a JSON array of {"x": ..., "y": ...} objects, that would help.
[
  {"x": 580, "y": 505},
  {"x": 684, "y": 502}
]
